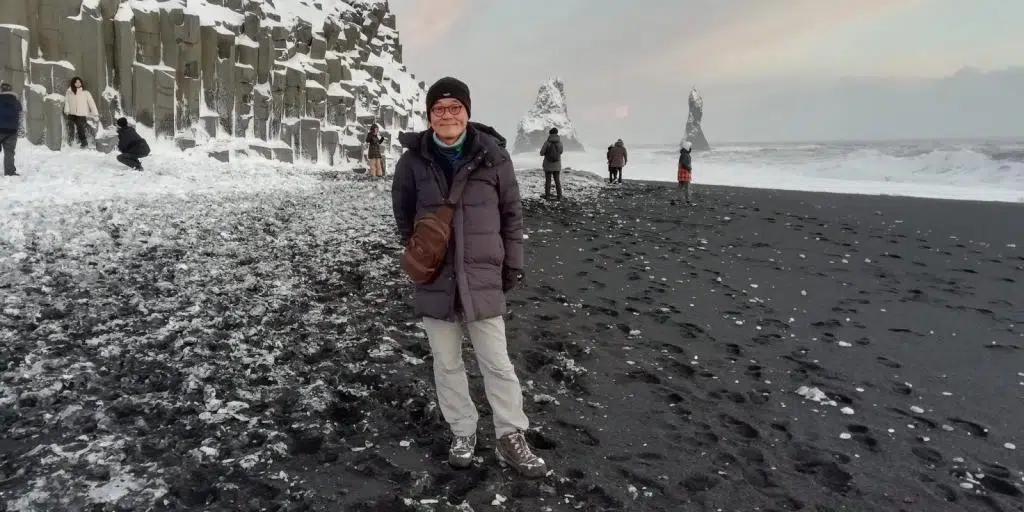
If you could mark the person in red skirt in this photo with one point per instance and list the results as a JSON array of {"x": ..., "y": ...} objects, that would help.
[{"x": 685, "y": 174}]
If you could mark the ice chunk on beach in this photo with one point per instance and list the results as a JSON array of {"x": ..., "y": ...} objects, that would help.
[{"x": 815, "y": 395}]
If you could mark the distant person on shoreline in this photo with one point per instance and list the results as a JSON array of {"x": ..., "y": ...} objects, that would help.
[
  {"x": 79, "y": 106},
  {"x": 617, "y": 158},
  {"x": 10, "y": 124},
  {"x": 685, "y": 171},
  {"x": 551, "y": 150},
  {"x": 373, "y": 152},
  {"x": 458, "y": 210},
  {"x": 131, "y": 145}
]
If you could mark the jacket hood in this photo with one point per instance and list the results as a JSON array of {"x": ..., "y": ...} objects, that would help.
[
  {"x": 619, "y": 143},
  {"x": 554, "y": 137}
]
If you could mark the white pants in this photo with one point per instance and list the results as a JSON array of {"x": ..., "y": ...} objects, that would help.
[{"x": 500, "y": 382}]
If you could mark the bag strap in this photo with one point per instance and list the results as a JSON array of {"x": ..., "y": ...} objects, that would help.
[{"x": 455, "y": 194}]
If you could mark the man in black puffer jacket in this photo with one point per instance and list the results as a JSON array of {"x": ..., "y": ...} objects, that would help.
[{"x": 131, "y": 145}]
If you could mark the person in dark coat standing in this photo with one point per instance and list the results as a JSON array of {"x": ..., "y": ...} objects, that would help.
[
  {"x": 617, "y": 159},
  {"x": 373, "y": 152},
  {"x": 483, "y": 262},
  {"x": 10, "y": 123},
  {"x": 551, "y": 150},
  {"x": 131, "y": 145},
  {"x": 685, "y": 171}
]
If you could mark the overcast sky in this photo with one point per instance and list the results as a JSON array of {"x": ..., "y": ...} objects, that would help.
[{"x": 751, "y": 59}]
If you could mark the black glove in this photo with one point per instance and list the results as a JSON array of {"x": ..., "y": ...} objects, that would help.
[{"x": 510, "y": 277}]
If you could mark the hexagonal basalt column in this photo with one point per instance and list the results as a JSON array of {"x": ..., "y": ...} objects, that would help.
[
  {"x": 53, "y": 111},
  {"x": 163, "y": 101},
  {"x": 14, "y": 42},
  {"x": 124, "y": 61},
  {"x": 309, "y": 139},
  {"x": 35, "y": 115},
  {"x": 147, "y": 37}
]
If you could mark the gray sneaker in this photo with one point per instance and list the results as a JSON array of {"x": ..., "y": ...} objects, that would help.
[
  {"x": 513, "y": 450},
  {"x": 460, "y": 454}
]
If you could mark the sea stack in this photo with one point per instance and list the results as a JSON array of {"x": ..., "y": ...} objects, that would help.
[
  {"x": 549, "y": 111},
  {"x": 694, "y": 131}
]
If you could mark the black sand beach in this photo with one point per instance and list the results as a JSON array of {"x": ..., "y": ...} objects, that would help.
[{"x": 662, "y": 347}]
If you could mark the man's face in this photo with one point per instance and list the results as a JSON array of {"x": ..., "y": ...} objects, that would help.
[{"x": 448, "y": 118}]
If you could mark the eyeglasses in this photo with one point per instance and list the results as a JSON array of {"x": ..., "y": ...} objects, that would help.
[{"x": 451, "y": 109}]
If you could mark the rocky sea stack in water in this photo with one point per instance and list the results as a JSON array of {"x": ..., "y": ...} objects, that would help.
[
  {"x": 694, "y": 131},
  {"x": 297, "y": 78},
  {"x": 549, "y": 111}
]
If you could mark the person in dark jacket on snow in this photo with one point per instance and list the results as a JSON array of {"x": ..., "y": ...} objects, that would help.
[
  {"x": 373, "y": 152},
  {"x": 685, "y": 170},
  {"x": 131, "y": 145},
  {"x": 10, "y": 123},
  {"x": 483, "y": 262},
  {"x": 551, "y": 150}
]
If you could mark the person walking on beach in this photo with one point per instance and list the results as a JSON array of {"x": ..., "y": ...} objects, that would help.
[
  {"x": 617, "y": 158},
  {"x": 551, "y": 150},
  {"x": 131, "y": 145},
  {"x": 79, "y": 107},
  {"x": 373, "y": 152},
  {"x": 685, "y": 170},
  {"x": 461, "y": 168},
  {"x": 10, "y": 123}
]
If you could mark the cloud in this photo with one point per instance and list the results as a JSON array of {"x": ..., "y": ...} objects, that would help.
[
  {"x": 428, "y": 22},
  {"x": 767, "y": 39}
]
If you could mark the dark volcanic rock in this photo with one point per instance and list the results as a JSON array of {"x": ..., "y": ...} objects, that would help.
[{"x": 694, "y": 130}]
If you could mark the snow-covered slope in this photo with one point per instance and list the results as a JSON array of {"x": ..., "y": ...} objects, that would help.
[
  {"x": 284, "y": 79},
  {"x": 694, "y": 131},
  {"x": 549, "y": 111}
]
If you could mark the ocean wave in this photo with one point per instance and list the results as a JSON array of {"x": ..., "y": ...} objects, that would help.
[{"x": 954, "y": 170}]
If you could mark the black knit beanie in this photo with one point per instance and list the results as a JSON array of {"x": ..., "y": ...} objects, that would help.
[
  {"x": 553, "y": 131},
  {"x": 449, "y": 87},
  {"x": 122, "y": 122}
]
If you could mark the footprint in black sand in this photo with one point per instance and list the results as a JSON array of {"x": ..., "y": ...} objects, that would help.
[
  {"x": 689, "y": 330},
  {"x": 641, "y": 375},
  {"x": 970, "y": 427},
  {"x": 682, "y": 369},
  {"x": 925, "y": 422},
  {"x": 739, "y": 427},
  {"x": 672, "y": 349},
  {"x": 929, "y": 455},
  {"x": 901, "y": 389},
  {"x": 755, "y": 372},
  {"x": 827, "y": 472},
  {"x": 888, "y": 363},
  {"x": 534, "y": 359},
  {"x": 580, "y": 434},
  {"x": 862, "y": 435},
  {"x": 700, "y": 482}
]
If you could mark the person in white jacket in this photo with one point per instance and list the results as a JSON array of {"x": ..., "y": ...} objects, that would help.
[{"x": 79, "y": 107}]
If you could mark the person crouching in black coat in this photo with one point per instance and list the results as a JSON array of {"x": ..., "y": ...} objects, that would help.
[{"x": 131, "y": 145}]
